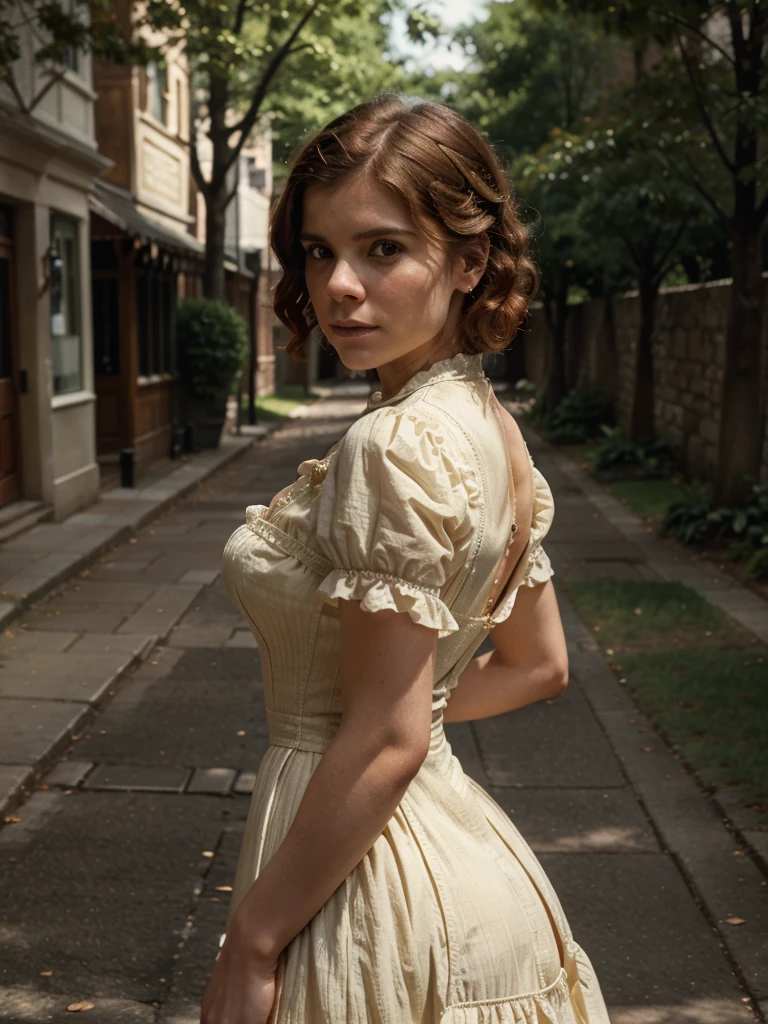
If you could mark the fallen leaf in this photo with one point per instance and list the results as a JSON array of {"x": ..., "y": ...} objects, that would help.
[
  {"x": 638, "y": 611},
  {"x": 208, "y": 853},
  {"x": 45, "y": 974},
  {"x": 223, "y": 888},
  {"x": 10, "y": 818},
  {"x": 735, "y": 920},
  {"x": 646, "y": 750},
  {"x": 82, "y": 1005},
  {"x": 241, "y": 732}
]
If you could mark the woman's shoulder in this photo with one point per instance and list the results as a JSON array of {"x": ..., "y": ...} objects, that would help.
[{"x": 411, "y": 443}]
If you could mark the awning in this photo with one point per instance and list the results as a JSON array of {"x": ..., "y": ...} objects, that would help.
[{"x": 116, "y": 207}]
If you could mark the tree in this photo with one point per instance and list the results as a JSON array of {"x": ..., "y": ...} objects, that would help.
[
  {"x": 534, "y": 78},
  {"x": 241, "y": 55},
  {"x": 632, "y": 199},
  {"x": 720, "y": 49}
]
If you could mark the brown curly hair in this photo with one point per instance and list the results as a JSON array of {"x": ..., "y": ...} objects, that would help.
[{"x": 456, "y": 189}]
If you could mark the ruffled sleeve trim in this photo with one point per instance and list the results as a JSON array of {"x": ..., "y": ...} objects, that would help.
[
  {"x": 380, "y": 590},
  {"x": 539, "y": 567}
]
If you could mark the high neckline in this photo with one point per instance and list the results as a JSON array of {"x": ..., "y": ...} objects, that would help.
[{"x": 461, "y": 366}]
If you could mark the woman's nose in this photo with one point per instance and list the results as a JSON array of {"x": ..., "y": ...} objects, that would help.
[{"x": 344, "y": 283}]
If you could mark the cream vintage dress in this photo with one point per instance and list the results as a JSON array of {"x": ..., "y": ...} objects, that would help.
[{"x": 449, "y": 917}]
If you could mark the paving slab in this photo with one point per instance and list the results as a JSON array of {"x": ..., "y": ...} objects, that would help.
[
  {"x": 68, "y": 774},
  {"x": 69, "y": 676},
  {"x": 216, "y": 781},
  {"x": 464, "y": 746},
  {"x": 547, "y": 746},
  {"x": 31, "y": 729},
  {"x": 13, "y": 640},
  {"x": 98, "y": 643},
  {"x": 140, "y": 865},
  {"x": 159, "y": 613},
  {"x": 578, "y": 820},
  {"x": 90, "y": 590},
  {"x": 188, "y": 634},
  {"x": 140, "y": 778},
  {"x": 206, "y": 577},
  {"x": 242, "y": 638},
  {"x": 106, "y": 620},
  {"x": 245, "y": 782},
  {"x": 647, "y": 939}
]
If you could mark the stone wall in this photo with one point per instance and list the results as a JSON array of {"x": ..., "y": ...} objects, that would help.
[{"x": 689, "y": 358}]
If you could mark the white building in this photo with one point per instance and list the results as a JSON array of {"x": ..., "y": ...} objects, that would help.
[{"x": 48, "y": 161}]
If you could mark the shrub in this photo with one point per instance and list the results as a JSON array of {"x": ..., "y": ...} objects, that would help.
[
  {"x": 618, "y": 449},
  {"x": 577, "y": 418},
  {"x": 694, "y": 521},
  {"x": 211, "y": 340}
]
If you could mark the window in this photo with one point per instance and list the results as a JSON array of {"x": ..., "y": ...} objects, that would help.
[
  {"x": 71, "y": 59},
  {"x": 157, "y": 91},
  {"x": 64, "y": 272},
  {"x": 156, "y": 307}
]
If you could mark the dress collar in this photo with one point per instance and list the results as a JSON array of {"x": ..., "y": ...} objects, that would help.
[{"x": 462, "y": 366}]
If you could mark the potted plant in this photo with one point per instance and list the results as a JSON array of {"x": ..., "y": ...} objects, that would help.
[{"x": 211, "y": 341}]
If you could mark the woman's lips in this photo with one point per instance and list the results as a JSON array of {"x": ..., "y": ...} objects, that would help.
[{"x": 353, "y": 332}]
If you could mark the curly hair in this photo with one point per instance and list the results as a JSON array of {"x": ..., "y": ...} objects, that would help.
[{"x": 453, "y": 184}]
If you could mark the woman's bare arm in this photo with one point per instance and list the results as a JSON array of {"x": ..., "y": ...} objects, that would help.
[
  {"x": 386, "y": 676},
  {"x": 530, "y": 662}
]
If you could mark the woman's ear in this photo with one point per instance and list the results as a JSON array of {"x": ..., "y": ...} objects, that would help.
[{"x": 475, "y": 261}]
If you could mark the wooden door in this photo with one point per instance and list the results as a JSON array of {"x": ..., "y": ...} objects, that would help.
[{"x": 10, "y": 465}]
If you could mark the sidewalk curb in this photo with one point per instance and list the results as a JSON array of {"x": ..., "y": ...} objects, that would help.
[
  {"x": 150, "y": 510},
  {"x": 23, "y": 788}
]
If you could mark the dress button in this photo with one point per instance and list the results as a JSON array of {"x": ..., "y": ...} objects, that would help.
[{"x": 376, "y": 396}]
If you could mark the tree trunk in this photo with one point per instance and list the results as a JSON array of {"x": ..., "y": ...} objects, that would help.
[
  {"x": 742, "y": 407},
  {"x": 217, "y": 190},
  {"x": 553, "y": 391},
  {"x": 641, "y": 420},
  {"x": 213, "y": 265}
]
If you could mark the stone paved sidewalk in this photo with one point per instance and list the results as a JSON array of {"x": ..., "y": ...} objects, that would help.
[{"x": 115, "y": 879}]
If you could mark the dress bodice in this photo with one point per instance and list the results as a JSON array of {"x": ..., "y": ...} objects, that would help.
[{"x": 408, "y": 510}]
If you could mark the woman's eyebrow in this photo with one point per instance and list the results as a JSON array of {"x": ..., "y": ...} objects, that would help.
[{"x": 307, "y": 236}]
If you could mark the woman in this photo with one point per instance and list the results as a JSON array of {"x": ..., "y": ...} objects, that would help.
[{"x": 377, "y": 883}]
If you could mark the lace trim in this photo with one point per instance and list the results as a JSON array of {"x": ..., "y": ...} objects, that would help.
[{"x": 462, "y": 366}]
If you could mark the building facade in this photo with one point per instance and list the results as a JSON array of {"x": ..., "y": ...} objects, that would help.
[
  {"x": 144, "y": 252},
  {"x": 48, "y": 162}
]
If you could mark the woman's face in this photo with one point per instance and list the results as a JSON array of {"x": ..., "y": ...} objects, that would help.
[{"x": 366, "y": 261}]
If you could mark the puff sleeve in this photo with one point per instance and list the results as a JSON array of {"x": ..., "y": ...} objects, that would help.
[
  {"x": 394, "y": 516},
  {"x": 539, "y": 566}
]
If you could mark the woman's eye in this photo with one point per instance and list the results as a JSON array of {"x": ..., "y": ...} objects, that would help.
[
  {"x": 390, "y": 246},
  {"x": 310, "y": 249}
]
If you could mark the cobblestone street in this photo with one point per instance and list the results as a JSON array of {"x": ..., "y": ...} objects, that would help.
[{"x": 114, "y": 880}]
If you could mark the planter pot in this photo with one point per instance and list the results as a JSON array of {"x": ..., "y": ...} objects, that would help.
[{"x": 207, "y": 420}]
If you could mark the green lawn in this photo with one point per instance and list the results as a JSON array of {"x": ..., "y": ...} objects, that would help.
[
  {"x": 698, "y": 675},
  {"x": 279, "y": 404},
  {"x": 648, "y": 499}
]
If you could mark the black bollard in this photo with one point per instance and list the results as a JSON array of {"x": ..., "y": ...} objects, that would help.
[
  {"x": 127, "y": 466},
  {"x": 189, "y": 437},
  {"x": 177, "y": 440}
]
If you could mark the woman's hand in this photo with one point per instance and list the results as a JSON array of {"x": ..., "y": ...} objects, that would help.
[{"x": 241, "y": 989}]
